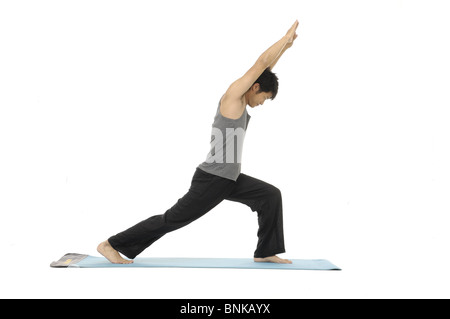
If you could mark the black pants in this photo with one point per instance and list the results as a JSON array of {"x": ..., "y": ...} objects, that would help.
[{"x": 205, "y": 193}]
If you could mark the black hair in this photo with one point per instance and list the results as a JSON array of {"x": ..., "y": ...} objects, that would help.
[{"x": 268, "y": 82}]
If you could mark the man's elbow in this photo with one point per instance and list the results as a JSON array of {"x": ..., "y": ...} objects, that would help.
[{"x": 263, "y": 62}]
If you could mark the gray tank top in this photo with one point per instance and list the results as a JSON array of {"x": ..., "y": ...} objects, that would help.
[{"x": 227, "y": 140}]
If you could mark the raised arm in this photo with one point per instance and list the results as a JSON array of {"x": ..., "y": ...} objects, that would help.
[
  {"x": 287, "y": 46},
  {"x": 232, "y": 101}
]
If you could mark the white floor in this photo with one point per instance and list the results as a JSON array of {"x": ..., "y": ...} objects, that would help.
[
  {"x": 359, "y": 279},
  {"x": 378, "y": 268}
]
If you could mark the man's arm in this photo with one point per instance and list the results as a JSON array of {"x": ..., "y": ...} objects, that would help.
[
  {"x": 287, "y": 46},
  {"x": 232, "y": 100}
]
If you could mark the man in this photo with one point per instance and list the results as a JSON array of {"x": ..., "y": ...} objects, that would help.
[{"x": 219, "y": 177}]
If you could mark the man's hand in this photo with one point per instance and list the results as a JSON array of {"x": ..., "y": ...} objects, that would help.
[{"x": 291, "y": 35}]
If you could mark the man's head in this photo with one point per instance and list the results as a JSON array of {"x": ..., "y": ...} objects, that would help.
[{"x": 265, "y": 87}]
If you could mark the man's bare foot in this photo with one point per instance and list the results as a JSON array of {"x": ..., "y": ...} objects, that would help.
[
  {"x": 273, "y": 259},
  {"x": 111, "y": 254}
]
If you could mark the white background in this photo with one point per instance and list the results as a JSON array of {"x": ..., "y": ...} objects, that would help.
[{"x": 106, "y": 109}]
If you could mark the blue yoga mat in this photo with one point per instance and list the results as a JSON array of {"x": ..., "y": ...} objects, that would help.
[{"x": 86, "y": 261}]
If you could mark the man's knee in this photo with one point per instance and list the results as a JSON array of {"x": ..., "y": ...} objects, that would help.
[{"x": 273, "y": 192}]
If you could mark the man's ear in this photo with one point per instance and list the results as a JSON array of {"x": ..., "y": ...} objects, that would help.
[{"x": 255, "y": 87}]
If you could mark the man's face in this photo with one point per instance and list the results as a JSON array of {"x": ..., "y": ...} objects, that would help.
[
  {"x": 261, "y": 97},
  {"x": 256, "y": 98}
]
